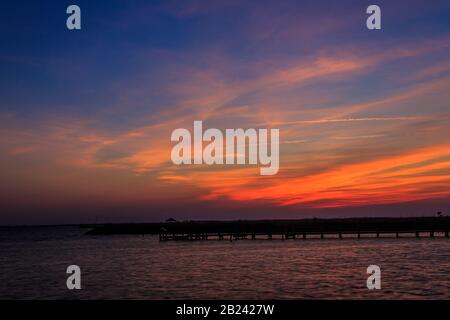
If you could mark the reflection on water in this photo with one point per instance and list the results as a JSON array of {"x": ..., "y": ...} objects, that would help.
[{"x": 33, "y": 262}]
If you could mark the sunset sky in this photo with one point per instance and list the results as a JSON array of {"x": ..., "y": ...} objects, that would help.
[{"x": 86, "y": 116}]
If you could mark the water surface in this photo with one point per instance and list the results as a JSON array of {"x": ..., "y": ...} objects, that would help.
[{"x": 33, "y": 264}]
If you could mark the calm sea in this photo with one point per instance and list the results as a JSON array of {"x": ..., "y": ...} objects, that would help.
[{"x": 33, "y": 264}]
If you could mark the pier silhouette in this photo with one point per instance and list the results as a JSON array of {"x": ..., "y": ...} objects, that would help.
[{"x": 286, "y": 229}]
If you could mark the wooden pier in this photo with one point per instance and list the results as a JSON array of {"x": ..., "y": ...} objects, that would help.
[
  {"x": 357, "y": 228},
  {"x": 363, "y": 228},
  {"x": 164, "y": 236}
]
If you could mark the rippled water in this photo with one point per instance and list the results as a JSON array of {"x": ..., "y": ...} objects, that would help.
[{"x": 33, "y": 263}]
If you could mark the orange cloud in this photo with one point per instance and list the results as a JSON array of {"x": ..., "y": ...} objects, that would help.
[{"x": 400, "y": 178}]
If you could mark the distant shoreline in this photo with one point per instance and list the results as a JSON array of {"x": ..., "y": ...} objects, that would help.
[{"x": 413, "y": 224}]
